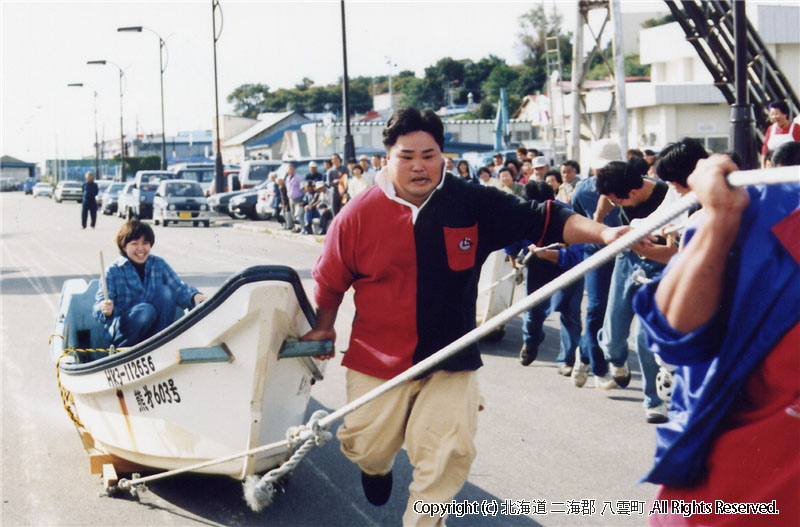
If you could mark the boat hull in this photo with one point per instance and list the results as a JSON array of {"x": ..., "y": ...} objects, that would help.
[{"x": 209, "y": 386}]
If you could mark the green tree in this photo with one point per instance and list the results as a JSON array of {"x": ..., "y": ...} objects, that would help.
[{"x": 249, "y": 99}]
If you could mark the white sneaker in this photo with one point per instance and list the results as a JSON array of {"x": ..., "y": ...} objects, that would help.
[
  {"x": 606, "y": 382},
  {"x": 621, "y": 374},
  {"x": 565, "y": 370},
  {"x": 579, "y": 374},
  {"x": 658, "y": 414}
]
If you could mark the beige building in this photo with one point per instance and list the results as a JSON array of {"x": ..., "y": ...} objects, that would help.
[{"x": 680, "y": 98}]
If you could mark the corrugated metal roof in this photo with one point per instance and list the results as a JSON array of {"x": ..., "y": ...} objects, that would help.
[{"x": 277, "y": 136}]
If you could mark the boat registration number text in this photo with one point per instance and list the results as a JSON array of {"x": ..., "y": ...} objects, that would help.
[
  {"x": 156, "y": 394},
  {"x": 130, "y": 371}
]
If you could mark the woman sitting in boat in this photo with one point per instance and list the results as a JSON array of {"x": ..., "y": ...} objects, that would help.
[{"x": 143, "y": 290}]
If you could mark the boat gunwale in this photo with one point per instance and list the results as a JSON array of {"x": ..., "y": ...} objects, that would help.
[{"x": 258, "y": 273}]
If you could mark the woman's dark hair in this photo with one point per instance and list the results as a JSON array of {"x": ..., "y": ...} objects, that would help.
[
  {"x": 517, "y": 164},
  {"x": 506, "y": 169},
  {"x": 781, "y": 106},
  {"x": 618, "y": 178},
  {"x": 536, "y": 190},
  {"x": 358, "y": 167},
  {"x": 407, "y": 120},
  {"x": 133, "y": 230},
  {"x": 485, "y": 169},
  {"x": 677, "y": 160},
  {"x": 556, "y": 174},
  {"x": 458, "y": 167}
]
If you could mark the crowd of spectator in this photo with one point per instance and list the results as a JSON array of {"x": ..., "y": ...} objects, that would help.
[{"x": 618, "y": 189}]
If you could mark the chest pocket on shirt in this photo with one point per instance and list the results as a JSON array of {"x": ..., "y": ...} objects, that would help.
[{"x": 461, "y": 244}]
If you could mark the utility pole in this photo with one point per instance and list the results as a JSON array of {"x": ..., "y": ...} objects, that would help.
[
  {"x": 619, "y": 75},
  {"x": 741, "y": 112},
  {"x": 349, "y": 147},
  {"x": 219, "y": 184}
]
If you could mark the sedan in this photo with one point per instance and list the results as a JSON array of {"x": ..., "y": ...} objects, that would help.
[
  {"x": 68, "y": 190},
  {"x": 42, "y": 189},
  {"x": 180, "y": 200},
  {"x": 111, "y": 198}
]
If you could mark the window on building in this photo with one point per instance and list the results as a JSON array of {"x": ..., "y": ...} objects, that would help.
[{"x": 523, "y": 135}]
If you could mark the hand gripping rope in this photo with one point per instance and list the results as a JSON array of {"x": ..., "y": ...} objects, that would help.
[{"x": 259, "y": 492}]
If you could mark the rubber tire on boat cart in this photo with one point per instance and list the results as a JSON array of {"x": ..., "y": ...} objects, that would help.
[
  {"x": 164, "y": 222},
  {"x": 496, "y": 335},
  {"x": 195, "y": 224},
  {"x": 207, "y": 224}
]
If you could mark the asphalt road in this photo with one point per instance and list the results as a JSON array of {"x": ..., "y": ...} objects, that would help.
[{"x": 540, "y": 440}]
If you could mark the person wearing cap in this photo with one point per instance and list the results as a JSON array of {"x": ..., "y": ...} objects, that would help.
[
  {"x": 313, "y": 174},
  {"x": 316, "y": 206},
  {"x": 498, "y": 163},
  {"x": 540, "y": 167},
  {"x": 597, "y": 282}
]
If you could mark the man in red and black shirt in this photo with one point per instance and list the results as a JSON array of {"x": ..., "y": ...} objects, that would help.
[{"x": 412, "y": 247}]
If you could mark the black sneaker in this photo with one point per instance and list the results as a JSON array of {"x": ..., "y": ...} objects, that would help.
[
  {"x": 528, "y": 354},
  {"x": 377, "y": 488}
]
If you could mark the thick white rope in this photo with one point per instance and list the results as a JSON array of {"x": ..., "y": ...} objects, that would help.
[{"x": 259, "y": 493}]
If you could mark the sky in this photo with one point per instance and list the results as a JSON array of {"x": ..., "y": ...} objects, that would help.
[{"x": 45, "y": 45}]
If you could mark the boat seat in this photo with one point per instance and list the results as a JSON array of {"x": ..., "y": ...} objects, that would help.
[{"x": 83, "y": 331}]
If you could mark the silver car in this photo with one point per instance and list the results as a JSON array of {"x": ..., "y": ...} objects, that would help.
[
  {"x": 42, "y": 189},
  {"x": 180, "y": 200},
  {"x": 68, "y": 190}
]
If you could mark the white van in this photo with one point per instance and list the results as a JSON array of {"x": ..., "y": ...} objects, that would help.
[{"x": 255, "y": 172}]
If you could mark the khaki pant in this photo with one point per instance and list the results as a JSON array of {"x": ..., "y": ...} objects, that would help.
[{"x": 437, "y": 419}]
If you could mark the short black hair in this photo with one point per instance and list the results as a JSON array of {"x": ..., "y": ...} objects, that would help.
[
  {"x": 648, "y": 152},
  {"x": 352, "y": 160},
  {"x": 410, "y": 119},
  {"x": 572, "y": 163},
  {"x": 556, "y": 174},
  {"x": 788, "y": 154},
  {"x": 505, "y": 169},
  {"x": 485, "y": 169},
  {"x": 133, "y": 230},
  {"x": 359, "y": 168},
  {"x": 618, "y": 178},
  {"x": 633, "y": 152},
  {"x": 677, "y": 160},
  {"x": 536, "y": 190},
  {"x": 780, "y": 106}
]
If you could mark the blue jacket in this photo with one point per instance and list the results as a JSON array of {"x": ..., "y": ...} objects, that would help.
[
  {"x": 126, "y": 289},
  {"x": 761, "y": 303}
]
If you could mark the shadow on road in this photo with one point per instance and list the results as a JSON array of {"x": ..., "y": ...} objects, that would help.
[{"x": 324, "y": 489}]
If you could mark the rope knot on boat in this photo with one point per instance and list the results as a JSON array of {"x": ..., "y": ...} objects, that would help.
[{"x": 258, "y": 493}]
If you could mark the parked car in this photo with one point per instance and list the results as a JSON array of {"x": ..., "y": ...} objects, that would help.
[
  {"x": 243, "y": 205},
  {"x": 254, "y": 172},
  {"x": 123, "y": 198},
  {"x": 68, "y": 190},
  {"x": 42, "y": 189},
  {"x": 231, "y": 182},
  {"x": 202, "y": 173},
  {"x": 8, "y": 184},
  {"x": 140, "y": 203},
  {"x": 28, "y": 184},
  {"x": 110, "y": 198},
  {"x": 180, "y": 200},
  {"x": 221, "y": 202}
]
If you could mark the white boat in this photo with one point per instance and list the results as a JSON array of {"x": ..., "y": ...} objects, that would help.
[{"x": 214, "y": 383}]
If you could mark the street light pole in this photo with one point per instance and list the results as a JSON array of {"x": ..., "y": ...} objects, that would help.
[
  {"x": 349, "y": 147},
  {"x": 96, "y": 144},
  {"x": 219, "y": 184},
  {"x": 121, "y": 133},
  {"x": 162, "y": 67}
]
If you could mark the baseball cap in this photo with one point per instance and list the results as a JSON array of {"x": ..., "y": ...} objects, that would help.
[
  {"x": 540, "y": 161},
  {"x": 362, "y": 156},
  {"x": 319, "y": 184},
  {"x": 604, "y": 151},
  {"x": 312, "y": 164}
]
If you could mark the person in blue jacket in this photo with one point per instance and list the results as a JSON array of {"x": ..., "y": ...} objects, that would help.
[
  {"x": 727, "y": 313},
  {"x": 143, "y": 290}
]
